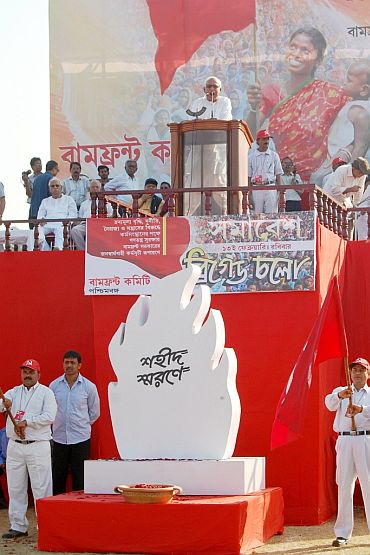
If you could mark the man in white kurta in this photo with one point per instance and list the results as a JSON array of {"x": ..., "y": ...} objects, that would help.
[
  {"x": 58, "y": 206},
  {"x": 78, "y": 232},
  {"x": 353, "y": 448},
  {"x": 205, "y": 165},
  {"x": 346, "y": 184},
  {"x": 34, "y": 407}
]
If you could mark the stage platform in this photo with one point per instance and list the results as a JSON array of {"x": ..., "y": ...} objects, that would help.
[{"x": 105, "y": 523}]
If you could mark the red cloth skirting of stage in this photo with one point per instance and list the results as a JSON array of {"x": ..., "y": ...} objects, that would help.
[{"x": 105, "y": 523}]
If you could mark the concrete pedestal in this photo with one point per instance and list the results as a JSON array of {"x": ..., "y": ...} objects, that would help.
[{"x": 235, "y": 476}]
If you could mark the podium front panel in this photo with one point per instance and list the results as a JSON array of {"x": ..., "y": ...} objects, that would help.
[{"x": 205, "y": 165}]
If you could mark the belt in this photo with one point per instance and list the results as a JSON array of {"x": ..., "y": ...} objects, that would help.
[
  {"x": 25, "y": 441},
  {"x": 264, "y": 183},
  {"x": 355, "y": 433}
]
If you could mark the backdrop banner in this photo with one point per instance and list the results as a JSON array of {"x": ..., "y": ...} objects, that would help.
[
  {"x": 121, "y": 70},
  {"x": 237, "y": 254}
]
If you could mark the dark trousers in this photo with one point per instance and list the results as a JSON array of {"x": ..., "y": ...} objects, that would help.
[
  {"x": 293, "y": 206},
  {"x": 65, "y": 457}
]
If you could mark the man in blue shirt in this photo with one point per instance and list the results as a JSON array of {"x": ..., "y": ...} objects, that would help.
[
  {"x": 78, "y": 408},
  {"x": 40, "y": 188}
]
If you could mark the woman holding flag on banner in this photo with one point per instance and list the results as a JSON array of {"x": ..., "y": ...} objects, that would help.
[{"x": 301, "y": 112}]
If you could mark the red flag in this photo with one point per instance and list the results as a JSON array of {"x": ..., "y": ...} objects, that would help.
[
  {"x": 181, "y": 26},
  {"x": 327, "y": 340}
]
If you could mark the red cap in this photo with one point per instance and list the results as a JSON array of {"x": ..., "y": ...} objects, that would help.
[
  {"x": 361, "y": 361},
  {"x": 32, "y": 364},
  {"x": 263, "y": 134},
  {"x": 337, "y": 161}
]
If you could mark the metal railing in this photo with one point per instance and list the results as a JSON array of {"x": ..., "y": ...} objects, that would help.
[{"x": 331, "y": 214}]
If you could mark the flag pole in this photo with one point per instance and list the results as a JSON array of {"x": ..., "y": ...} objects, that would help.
[
  {"x": 348, "y": 380},
  {"x": 256, "y": 66}
]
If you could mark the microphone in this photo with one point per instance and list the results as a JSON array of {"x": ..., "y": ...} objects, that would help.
[{"x": 212, "y": 94}]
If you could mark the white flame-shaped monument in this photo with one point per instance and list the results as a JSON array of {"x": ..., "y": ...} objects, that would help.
[{"x": 176, "y": 395}]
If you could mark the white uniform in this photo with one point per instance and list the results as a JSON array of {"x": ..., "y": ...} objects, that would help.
[
  {"x": 353, "y": 457},
  {"x": 205, "y": 164},
  {"x": 263, "y": 167},
  {"x": 30, "y": 457}
]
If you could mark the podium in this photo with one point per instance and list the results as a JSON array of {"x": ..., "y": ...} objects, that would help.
[{"x": 209, "y": 153}]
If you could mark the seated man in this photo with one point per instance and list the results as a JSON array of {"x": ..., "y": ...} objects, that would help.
[
  {"x": 78, "y": 232},
  {"x": 57, "y": 206},
  {"x": 164, "y": 187},
  {"x": 150, "y": 203}
]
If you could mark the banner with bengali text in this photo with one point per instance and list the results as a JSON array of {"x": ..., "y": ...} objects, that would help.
[
  {"x": 237, "y": 254},
  {"x": 121, "y": 70}
]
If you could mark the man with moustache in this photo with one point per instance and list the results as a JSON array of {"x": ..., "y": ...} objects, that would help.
[
  {"x": 353, "y": 447},
  {"x": 34, "y": 408},
  {"x": 264, "y": 168},
  {"x": 78, "y": 408},
  {"x": 76, "y": 186}
]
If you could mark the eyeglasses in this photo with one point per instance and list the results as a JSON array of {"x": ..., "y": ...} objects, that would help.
[{"x": 52, "y": 186}]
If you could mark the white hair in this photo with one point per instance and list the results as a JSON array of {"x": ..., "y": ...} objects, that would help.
[{"x": 218, "y": 81}]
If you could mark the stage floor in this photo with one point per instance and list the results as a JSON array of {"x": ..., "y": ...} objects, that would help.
[{"x": 78, "y": 522}]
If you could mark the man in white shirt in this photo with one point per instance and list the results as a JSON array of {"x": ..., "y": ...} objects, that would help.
[
  {"x": 205, "y": 164},
  {"x": 124, "y": 182},
  {"x": 76, "y": 186},
  {"x": 28, "y": 455},
  {"x": 346, "y": 184},
  {"x": 362, "y": 218},
  {"x": 57, "y": 206},
  {"x": 353, "y": 447},
  {"x": 291, "y": 177},
  {"x": 335, "y": 164},
  {"x": 217, "y": 106},
  {"x": 78, "y": 232},
  {"x": 264, "y": 168}
]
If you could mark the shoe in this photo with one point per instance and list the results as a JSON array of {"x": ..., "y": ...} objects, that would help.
[
  {"x": 338, "y": 542},
  {"x": 12, "y": 534}
]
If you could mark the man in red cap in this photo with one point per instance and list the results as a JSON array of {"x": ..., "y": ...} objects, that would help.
[
  {"x": 353, "y": 447},
  {"x": 264, "y": 168},
  {"x": 28, "y": 455}
]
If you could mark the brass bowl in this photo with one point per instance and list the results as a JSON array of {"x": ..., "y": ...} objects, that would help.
[{"x": 148, "y": 493}]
